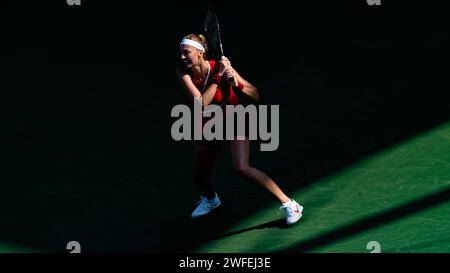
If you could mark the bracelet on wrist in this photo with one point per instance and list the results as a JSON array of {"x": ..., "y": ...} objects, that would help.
[{"x": 240, "y": 86}]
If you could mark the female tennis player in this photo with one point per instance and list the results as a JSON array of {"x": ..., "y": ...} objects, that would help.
[{"x": 217, "y": 82}]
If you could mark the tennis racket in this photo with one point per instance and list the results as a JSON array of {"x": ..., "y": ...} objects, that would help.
[{"x": 212, "y": 33}]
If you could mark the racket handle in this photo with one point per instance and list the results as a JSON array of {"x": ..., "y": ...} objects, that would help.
[{"x": 230, "y": 79}]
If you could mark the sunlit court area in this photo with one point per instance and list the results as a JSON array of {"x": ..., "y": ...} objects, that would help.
[{"x": 90, "y": 165}]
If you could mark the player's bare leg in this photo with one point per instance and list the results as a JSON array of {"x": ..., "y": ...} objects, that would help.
[
  {"x": 240, "y": 158},
  {"x": 204, "y": 158}
]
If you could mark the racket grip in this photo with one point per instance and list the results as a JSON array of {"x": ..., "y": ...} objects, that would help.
[{"x": 230, "y": 79}]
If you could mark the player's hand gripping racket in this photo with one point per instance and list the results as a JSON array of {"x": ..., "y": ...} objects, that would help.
[{"x": 212, "y": 31}]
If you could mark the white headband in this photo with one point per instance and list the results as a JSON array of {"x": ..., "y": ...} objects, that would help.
[{"x": 192, "y": 43}]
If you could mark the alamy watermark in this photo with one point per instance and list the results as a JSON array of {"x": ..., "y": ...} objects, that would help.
[
  {"x": 375, "y": 246},
  {"x": 73, "y": 2},
  {"x": 74, "y": 246},
  {"x": 212, "y": 129},
  {"x": 374, "y": 2}
]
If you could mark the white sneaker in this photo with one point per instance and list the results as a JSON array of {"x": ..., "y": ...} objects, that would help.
[
  {"x": 293, "y": 211},
  {"x": 205, "y": 206}
]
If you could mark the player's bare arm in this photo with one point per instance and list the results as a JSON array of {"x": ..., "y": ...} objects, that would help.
[{"x": 247, "y": 88}]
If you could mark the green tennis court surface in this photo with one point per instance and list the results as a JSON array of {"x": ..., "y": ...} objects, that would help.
[{"x": 397, "y": 197}]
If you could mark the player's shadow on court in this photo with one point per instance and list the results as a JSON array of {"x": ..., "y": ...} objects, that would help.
[{"x": 280, "y": 224}]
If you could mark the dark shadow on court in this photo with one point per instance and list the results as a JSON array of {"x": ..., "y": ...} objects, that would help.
[{"x": 380, "y": 219}]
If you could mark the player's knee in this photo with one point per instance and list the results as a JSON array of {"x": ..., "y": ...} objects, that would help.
[{"x": 243, "y": 170}]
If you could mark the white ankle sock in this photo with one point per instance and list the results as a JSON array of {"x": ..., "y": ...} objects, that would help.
[{"x": 288, "y": 203}]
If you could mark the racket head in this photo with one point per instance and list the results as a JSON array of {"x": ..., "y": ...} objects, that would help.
[{"x": 212, "y": 34}]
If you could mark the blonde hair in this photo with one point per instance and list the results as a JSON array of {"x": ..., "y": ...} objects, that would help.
[{"x": 198, "y": 38}]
